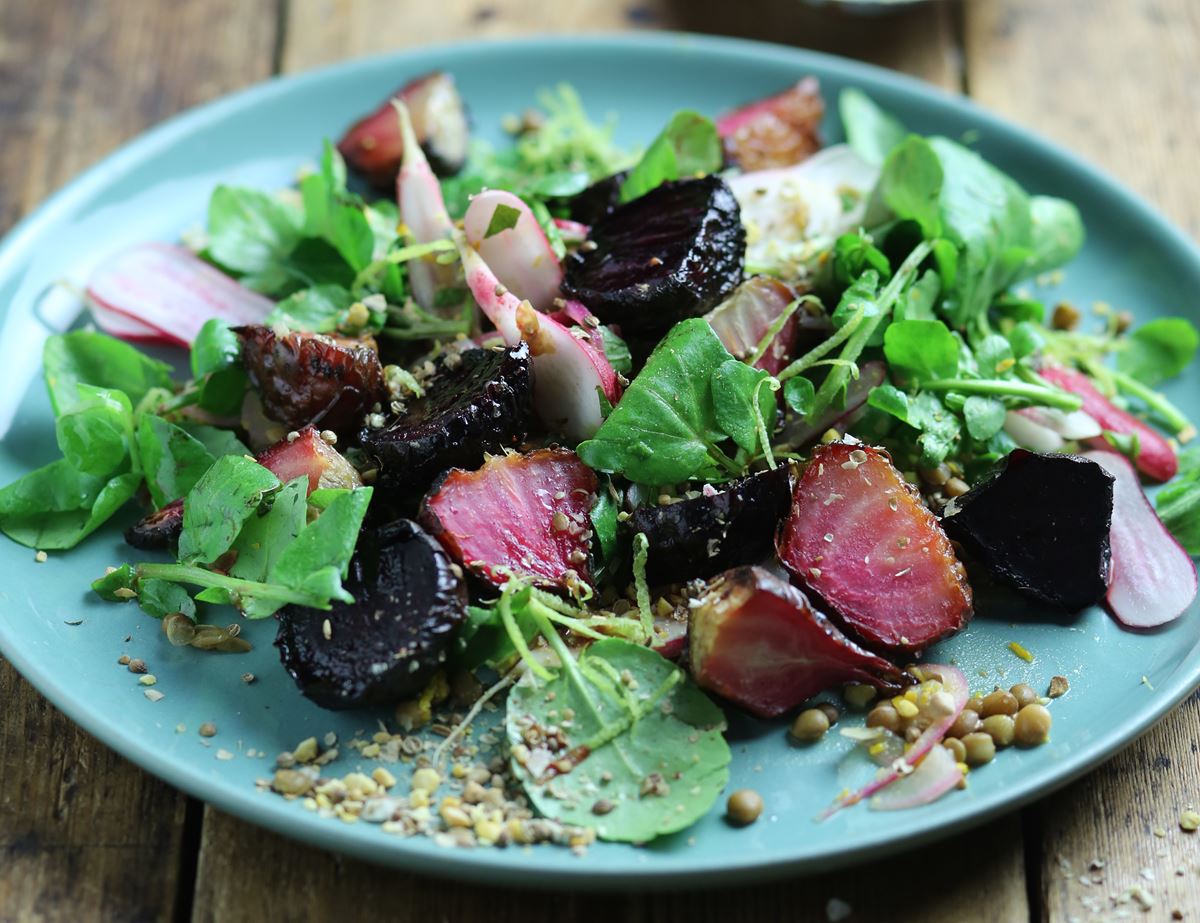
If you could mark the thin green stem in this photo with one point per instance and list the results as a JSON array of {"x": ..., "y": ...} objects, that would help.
[
  {"x": 198, "y": 576},
  {"x": 1034, "y": 394},
  {"x": 811, "y": 357},
  {"x": 1170, "y": 414},
  {"x": 777, "y": 325}
]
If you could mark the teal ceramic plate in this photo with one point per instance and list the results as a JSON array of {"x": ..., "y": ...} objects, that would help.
[{"x": 158, "y": 186}]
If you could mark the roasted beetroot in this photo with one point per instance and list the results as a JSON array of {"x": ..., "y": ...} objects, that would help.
[
  {"x": 598, "y": 199},
  {"x": 1041, "y": 524},
  {"x": 373, "y": 146},
  {"x": 705, "y": 535},
  {"x": 386, "y": 645},
  {"x": 757, "y": 641},
  {"x": 309, "y": 378},
  {"x": 860, "y": 537},
  {"x": 478, "y": 401},
  {"x": 671, "y": 254},
  {"x": 305, "y": 453},
  {"x": 777, "y": 131},
  {"x": 1155, "y": 457},
  {"x": 526, "y": 515}
]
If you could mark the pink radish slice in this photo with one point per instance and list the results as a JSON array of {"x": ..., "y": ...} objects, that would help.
[
  {"x": 1153, "y": 579},
  {"x": 567, "y": 371},
  {"x": 572, "y": 232},
  {"x": 590, "y": 338},
  {"x": 171, "y": 290},
  {"x": 933, "y": 777},
  {"x": 954, "y": 683},
  {"x": 423, "y": 212},
  {"x": 802, "y": 432},
  {"x": 127, "y": 328},
  {"x": 1155, "y": 459},
  {"x": 520, "y": 256}
]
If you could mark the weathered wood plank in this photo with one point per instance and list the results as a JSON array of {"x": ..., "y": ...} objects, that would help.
[
  {"x": 919, "y": 41},
  {"x": 242, "y": 869},
  {"x": 84, "y": 834},
  {"x": 1122, "y": 91}
]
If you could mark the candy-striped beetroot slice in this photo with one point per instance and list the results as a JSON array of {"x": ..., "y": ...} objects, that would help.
[{"x": 860, "y": 537}]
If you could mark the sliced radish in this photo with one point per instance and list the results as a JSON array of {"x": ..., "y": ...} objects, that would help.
[
  {"x": 953, "y": 682},
  {"x": 1032, "y": 434},
  {"x": 1153, "y": 579},
  {"x": 568, "y": 372},
  {"x": 520, "y": 255},
  {"x": 127, "y": 328},
  {"x": 169, "y": 289},
  {"x": 572, "y": 232},
  {"x": 934, "y": 776},
  {"x": 423, "y": 212},
  {"x": 1073, "y": 425},
  {"x": 1155, "y": 458}
]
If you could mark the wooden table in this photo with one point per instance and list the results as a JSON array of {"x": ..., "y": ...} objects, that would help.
[{"x": 85, "y": 835}]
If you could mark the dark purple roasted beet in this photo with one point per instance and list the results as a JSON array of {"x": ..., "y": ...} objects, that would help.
[
  {"x": 386, "y": 645},
  {"x": 312, "y": 379},
  {"x": 705, "y": 535},
  {"x": 158, "y": 531},
  {"x": 480, "y": 402},
  {"x": 671, "y": 254},
  {"x": 597, "y": 200},
  {"x": 1041, "y": 524}
]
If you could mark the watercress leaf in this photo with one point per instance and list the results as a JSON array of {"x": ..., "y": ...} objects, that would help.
[
  {"x": 799, "y": 392},
  {"x": 217, "y": 441},
  {"x": 504, "y": 217},
  {"x": 216, "y": 347},
  {"x": 86, "y": 357},
  {"x": 891, "y": 400},
  {"x": 921, "y": 349},
  {"x": 172, "y": 459},
  {"x": 160, "y": 598},
  {"x": 919, "y": 301},
  {"x": 871, "y": 131},
  {"x": 266, "y": 535},
  {"x": 616, "y": 351},
  {"x": 1179, "y": 503},
  {"x": 688, "y": 146},
  {"x": 119, "y": 578},
  {"x": 1019, "y": 309},
  {"x": 664, "y": 427},
  {"x": 316, "y": 561},
  {"x": 911, "y": 184},
  {"x": 57, "y": 507},
  {"x": 984, "y": 417},
  {"x": 1057, "y": 233},
  {"x": 735, "y": 386},
  {"x": 854, "y": 254},
  {"x": 993, "y": 355},
  {"x": 940, "y": 429},
  {"x": 1025, "y": 339},
  {"x": 483, "y": 641},
  {"x": 858, "y": 298},
  {"x": 319, "y": 309},
  {"x": 314, "y": 261},
  {"x": 351, "y": 235},
  {"x": 226, "y": 495},
  {"x": 94, "y": 435},
  {"x": 643, "y": 726},
  {"x": 604, "y": 522},
  {"x": 250, "y": 231},
  {"x": 1159, "y": 349}
]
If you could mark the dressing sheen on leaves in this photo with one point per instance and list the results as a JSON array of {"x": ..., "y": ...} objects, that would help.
[{"x": 644, "y": 744}]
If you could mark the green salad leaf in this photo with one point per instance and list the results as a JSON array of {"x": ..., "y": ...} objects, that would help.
[
  {"x": 688, "y": 146},
  {"x": 96, "y": 359},
  {"x": 871, "y": 131},
  {"x": 1178, "y": 503},
  {"x": 172, "y": 458},
  {"x": 227, "y": 494},
  {"x": 643, "y": 740},
  {"x": 1159, "y": 349},
  {"x": 95, "y": 434},
  {"x": 55, "y": 507}
]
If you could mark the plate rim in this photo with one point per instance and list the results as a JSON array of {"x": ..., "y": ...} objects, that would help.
[{"x": 477, "y": 865}]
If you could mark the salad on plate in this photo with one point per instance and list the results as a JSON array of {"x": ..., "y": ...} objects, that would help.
[{"x": 569, "y": 450}]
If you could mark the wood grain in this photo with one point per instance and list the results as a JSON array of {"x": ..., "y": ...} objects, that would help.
[
  {"x": 235, "y": 883},
  {"x": 1125, "y": 92},
  {"x": 919, "y": 40},
  {"x": 84, "y": 835}
]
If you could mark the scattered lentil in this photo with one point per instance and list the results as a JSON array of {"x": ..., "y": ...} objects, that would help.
[
  {"x": 1000, "y": 702},
  {"x": 1189, "y": 821},
  {"x": 744, "y": 807},
  {"x": 980, "y": 748},
  {"x": 208, "y": 729},
  {"x": 1000, "y": 728},
  {"x": 858, "y": 695},
  {"x": 137, "y": 665},
  {"x": 810, "y": 725},
  {"x": 1032, "y": 725}
]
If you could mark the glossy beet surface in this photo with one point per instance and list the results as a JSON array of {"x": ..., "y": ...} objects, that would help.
[
  {"x": 373, "y": 146},
  {"x": 518, "y": 514},
  {"x": 387, "y": 644},
  {"x": 757, "y": 641},
  {"x": 308, "y": 378},
  {"x": 860, "y": 537},
  {"x": 597, "y": 200},
  {"x": 159, "y": 530},
  {"x": 778, "y": 131},
  {"x": 1041, "y": 524},
  {"x": 704, "y": 535},
  {"x": 479, "y": 402},
  {"x": 671, "y": 254}
]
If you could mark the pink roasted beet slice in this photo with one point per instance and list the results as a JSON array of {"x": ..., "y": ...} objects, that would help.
[
  {"x": 169, "y": 289},
  {"x": 524, "y": 515},
  {"x": 860, "y": 537},
  {"x": 778, "y": 131},
  {"x": 757, "y": 641},
  {"x": 1155, "y": 458}
]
